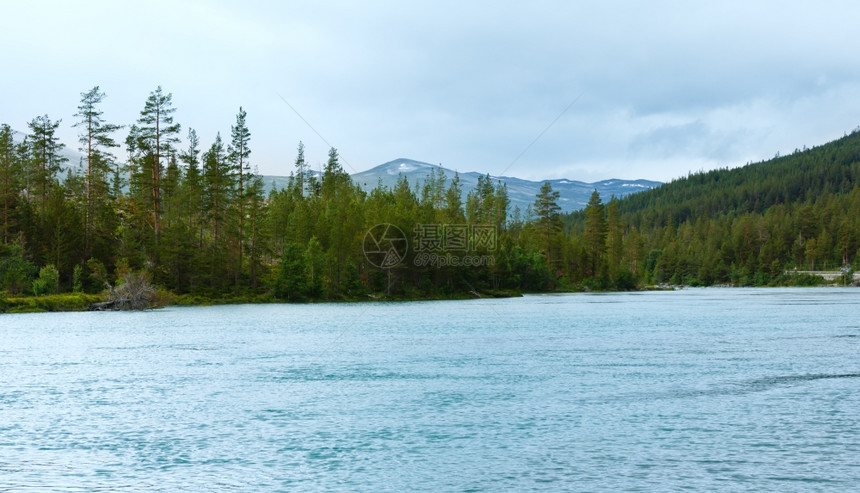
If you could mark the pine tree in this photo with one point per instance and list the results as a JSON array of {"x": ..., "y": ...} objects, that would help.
[
  {"x": 192, "y": 183},
  {"x": 334, "y": 177},
  {"x": 257, "y": 232},
  {"x": 340, "y": 219},
  {"x": 291, "y": 280},
  {"x": 480, "y": 202},
  {"x": 96, "y": 142},
  {"x": 595, "y": 233},
  {"x": 548, "y": 220},
  {"x": 46, "y": 159},
  {"x": 453, "y": 213},
  {"x": 62, "y": 233},
  {"x": 218, "y": 192},
  {"x": 501, "y": 202},
  {"x": 151, "y": 141},
  {"x": 238, "y": 153},
  {"x": 301, "y": 170},
  {"x": 172, "y": 206},
  {"x": 314, "y": 260},
  {"x": 10, "y": 180},
  {"x": 614, "y": 239},
  {"x": 217, "y": 186}
]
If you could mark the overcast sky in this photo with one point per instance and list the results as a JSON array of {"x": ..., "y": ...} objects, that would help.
[{"x": 658, "y": 88}]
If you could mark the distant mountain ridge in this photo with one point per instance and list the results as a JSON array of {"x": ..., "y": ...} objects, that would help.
[{"x": 573, "y": 194}]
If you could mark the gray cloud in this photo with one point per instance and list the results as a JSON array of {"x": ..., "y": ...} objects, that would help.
[{"x": 664, "y": 87}]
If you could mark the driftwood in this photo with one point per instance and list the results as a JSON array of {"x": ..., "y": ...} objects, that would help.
[
  {"x": 103, "y": 306},
  {"x": 135, "y": 292}
]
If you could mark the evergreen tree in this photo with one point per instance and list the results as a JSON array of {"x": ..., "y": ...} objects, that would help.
[
  {"x": 291, "y": 282},
  {"x": 614, "y": 239},
  {"x": 10, "y": 180},
  {"x": 172, "y": 198},
  {"x": 62, "y": 229},
  {"x": 239, "y": 152},
  {"x": 46, "y": 158},
  {"x": 193, "y": 185},
  {"x": 334, "y": 177},
  {"x": 151, "y": 142},
  {"x": 96, "y": 142},
  {"x": 548, "y": 220},
  {"x": 480, "y": 202},
  {"x": 341, "y": 219},
  {"x": 595, "y": 233},
  {"x": 217, "y": 185},
  {"x": 301, "y": 170},
  {"x": 218, "y": 189},
  {"x": 453, "y": 213},
  {"x": 314, "y": 267},
  {"x": 16, "y": 273},
  {"x": 256, "y": 234}
]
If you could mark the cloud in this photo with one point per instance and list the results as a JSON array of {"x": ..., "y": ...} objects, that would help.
[{"x": 664, "y": 87}]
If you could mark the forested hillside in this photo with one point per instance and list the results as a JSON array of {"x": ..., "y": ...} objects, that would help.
[
  {"x": 196, "y": 218},
  {"x": 748, "y": 225}
]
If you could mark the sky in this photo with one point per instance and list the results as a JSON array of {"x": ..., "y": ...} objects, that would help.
[{"x": 537, "y": 90}]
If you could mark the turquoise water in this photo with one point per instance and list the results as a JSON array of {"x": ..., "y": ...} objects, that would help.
[{"x": 728, "y": 389}]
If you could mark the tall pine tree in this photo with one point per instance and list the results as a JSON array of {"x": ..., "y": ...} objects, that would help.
[
  {"x": 151, "y": 142},
  {"x": 10, "y": 180},
  {"x": 548, "y": 220},
  {"x": 96, "y": 142},
  {"x": 47, "y": 161},
  {"x": 239, "y": 152},
  {"x": 595, "y": 233},
  {"x": 301, "y": 170}
]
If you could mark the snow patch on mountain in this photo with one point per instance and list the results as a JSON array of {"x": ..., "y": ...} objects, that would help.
[{"x": 573, "y": 194}]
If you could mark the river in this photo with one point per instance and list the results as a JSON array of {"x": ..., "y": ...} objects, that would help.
[{"x": 729, "y": 389}]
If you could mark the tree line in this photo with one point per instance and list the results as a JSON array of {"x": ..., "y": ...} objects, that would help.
[
  {"x": 198, "y": 220},
  {"x": 753, "y": 225}
]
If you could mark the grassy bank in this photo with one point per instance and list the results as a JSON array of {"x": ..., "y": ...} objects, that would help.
[
  {"x": 200, "y": 300},
  {"x": 78, "y": 302},
  {"x": 68, "y": 302}
]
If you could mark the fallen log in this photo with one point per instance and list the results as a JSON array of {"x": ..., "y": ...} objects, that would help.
[{"x": 103, "y": 306}]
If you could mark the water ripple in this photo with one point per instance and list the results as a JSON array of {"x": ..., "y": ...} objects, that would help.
[{"x": 689, "y": 390}]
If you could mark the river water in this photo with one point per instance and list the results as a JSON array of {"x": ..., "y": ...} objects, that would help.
[{"x": 729, "y": 389}]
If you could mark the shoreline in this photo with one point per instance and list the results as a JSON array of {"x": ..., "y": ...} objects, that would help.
[{"x": 80, "y": 302}]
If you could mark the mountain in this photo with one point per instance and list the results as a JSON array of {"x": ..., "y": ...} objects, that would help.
[{"x": 573, "y": 194}]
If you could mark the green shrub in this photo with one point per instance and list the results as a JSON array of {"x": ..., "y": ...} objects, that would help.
[
  {"x": 16, "y": 274},
  {"x": 74, "y": 302},
  {"x": 77, "y": 275},
  {"x": 48, "y": 281}
]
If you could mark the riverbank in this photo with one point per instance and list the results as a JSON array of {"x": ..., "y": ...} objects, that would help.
[
  {"x": 197, "y": 300},
  {"x": 80, "y": 302},
  {"x": 67, "y": 302}
]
